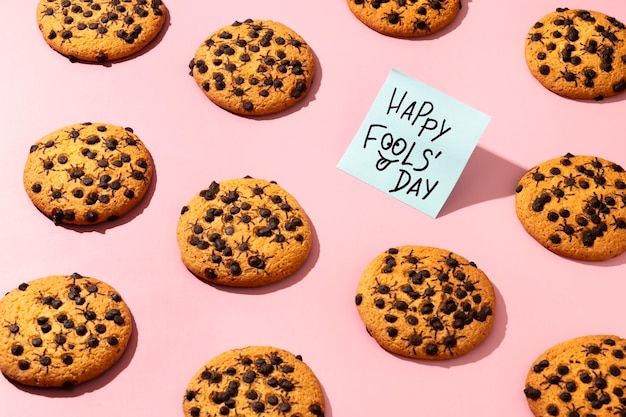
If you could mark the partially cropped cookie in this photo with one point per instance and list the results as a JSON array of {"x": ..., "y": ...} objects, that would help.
[
  {"x": 425, "y": 303},
  {"x": 405, "y": 19},
  {"x": 87, "y": 173},
  {"x": 244, "y": 232},
  {"x": 254, "y": 67},
  {"x": 580, "y": 377},
  {"x": 100, "y": 31},
  {"x": 62, "y": 330},
  {"x": 254, "y": 381},
  {"x": 580, "y": 54},
  {"x": 575, "y": 206}
]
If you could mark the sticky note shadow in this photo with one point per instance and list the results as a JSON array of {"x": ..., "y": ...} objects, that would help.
[{"x": 486, "y": 176}]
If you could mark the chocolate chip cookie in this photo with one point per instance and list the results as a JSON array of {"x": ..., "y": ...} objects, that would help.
[
  {"x": 245, "y": 232},
  {"x": 62, "y": 330},
  {"x": 425, "y": 303},
  {"x": 405, "y": 19},
  {"x": 254, "y": 381},
  {"x": 100, "y": 31},
  {"x": 580, "y": 54},
  {"x": 575, "y": 206},
  {"x": 254, "y": 67},
  {"x": 580, "y": 377},
  {"x": 87, "y": 173}
]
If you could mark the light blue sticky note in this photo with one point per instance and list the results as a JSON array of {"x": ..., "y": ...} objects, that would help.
[{"x": 414, "y": 143}]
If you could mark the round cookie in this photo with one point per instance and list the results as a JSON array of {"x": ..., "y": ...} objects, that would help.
[
  {"x": 425, "y": 303},
  {"x": 244, "y": 232},
  {"x": 254, "y": 67},
  {"x": 87, "y": 173},
  {"x": 580, "y": 377},
  {"x": 578, "y": 54},
  {"x": 575, "y": 206},
  {"x": 405, "y": 19},
  {"x": 254, "y": 381},
  {"x": 62, "y": 330},
  {"x": 99, "y": 31}
]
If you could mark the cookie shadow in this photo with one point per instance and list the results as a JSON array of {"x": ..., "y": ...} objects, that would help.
[
  {"x": 617, "y": 260},
  {"x": 147, "y": 48},
  {"x": 613, "y": 99},
  {"x": 606, "y": 100},
  {"x": 92, "y": 385},
  {"x": 294, "y": 278},
  {"x": 483, "y": 350},
  {"x": 483, "y": 167},
  {"x": 328, "y": 412},
  {"x": 126, "y": 218}
]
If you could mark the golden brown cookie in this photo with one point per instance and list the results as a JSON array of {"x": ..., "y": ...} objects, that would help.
[
  {"x": 87, "y": 173},
  {"x": 580, "y": 377},
  {"x": 405, "y": 19},
  {"x": 99, "y": 31},
  {"x": 578, "y": 54},
  {"x": 575, "y": 206},
  {"x": 425, "y": 303},
  {"x": 254, "y": 381},
  {"x": 245, "y": 232},
  {"x": 62, "y": 330},
  {"x": 254, "y": 67}
]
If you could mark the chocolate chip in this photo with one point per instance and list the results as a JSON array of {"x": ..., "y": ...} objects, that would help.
[
  {"x": 450, "y": 341},
  {"x": 256, "y": 262},
  {"x": 81, "y": 330},
  {"x": 401, "y": 305},
  {"x": 17, "y": 350},
  {"x": 92, "y": 342},
  {"x": 234, "y": 268},
  {"x": 60, "y": 340},
  {"x": 112, "y": 313},
  {"x": 258, "y": 407},
  {"x": 316, "y": 409},
  {"x": 431, "y": 349}
]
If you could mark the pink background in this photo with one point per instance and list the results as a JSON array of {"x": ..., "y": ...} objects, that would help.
[{"x": 182, "y": 322}]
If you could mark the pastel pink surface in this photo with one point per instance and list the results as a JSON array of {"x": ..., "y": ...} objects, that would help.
[{"x": 181, "y": 322}]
